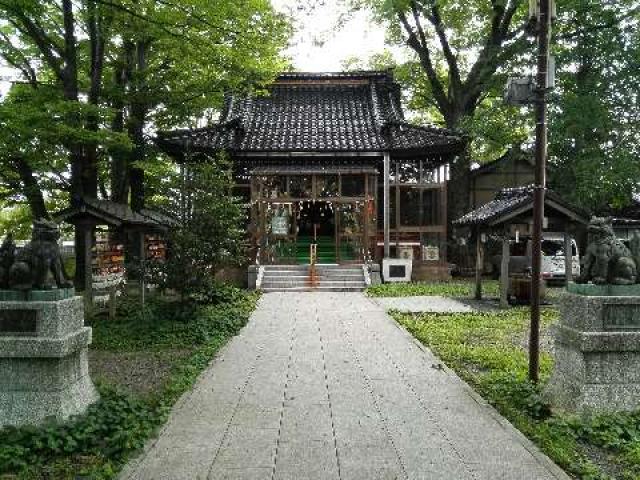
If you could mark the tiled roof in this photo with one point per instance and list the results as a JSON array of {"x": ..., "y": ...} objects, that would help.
[
  {"x": 510, "y": 200},
  {"x": 310, "y": 112},
  {"x": 515, "y": 153},
  {"x": 117, "y": 214}
]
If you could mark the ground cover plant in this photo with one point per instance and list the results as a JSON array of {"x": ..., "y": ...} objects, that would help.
[
  {"x": 457, "y": 288},
  {"x": 180, "y": 338},
  {"x": 488, "y": 350}
]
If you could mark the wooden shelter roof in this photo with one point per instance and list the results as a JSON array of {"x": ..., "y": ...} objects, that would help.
[
  {"x": 317, "y": 112},
  {"x": 513, "y": 202},
  {"x": 104, "y": 212}
]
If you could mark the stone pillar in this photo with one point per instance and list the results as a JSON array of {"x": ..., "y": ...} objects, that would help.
[
  {"x": 568, "y": 257},
  {"x": 504, "y": 271},
  {"x": 479, "y": 265},
  {"x": 597, "y": 349},
  {"x": 44, "y": 369}
]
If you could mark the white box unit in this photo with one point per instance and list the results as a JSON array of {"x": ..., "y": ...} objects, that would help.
[{"x": 396, "y": 269}]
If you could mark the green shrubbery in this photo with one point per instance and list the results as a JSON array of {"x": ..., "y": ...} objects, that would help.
[
  {"x": 98, "y": 443},
  {"x": 460, "y": 288},
  {"x": 487, "y": 350},
  {"x": 168, "y": 323}
]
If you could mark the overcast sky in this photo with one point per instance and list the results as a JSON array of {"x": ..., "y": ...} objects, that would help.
[{"x": 319, "y": 44}]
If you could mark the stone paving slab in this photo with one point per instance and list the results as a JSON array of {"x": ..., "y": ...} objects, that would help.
[
  {"x": 328, "y": 386},
  {"x": 434, "y": 304}
]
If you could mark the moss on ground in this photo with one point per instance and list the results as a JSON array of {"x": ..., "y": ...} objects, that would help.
[{"x": 480, "y": 348}]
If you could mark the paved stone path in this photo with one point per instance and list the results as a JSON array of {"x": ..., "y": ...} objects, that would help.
[
  {"x": 327, "y": 386},
  {"x": 426, "y": 303}
]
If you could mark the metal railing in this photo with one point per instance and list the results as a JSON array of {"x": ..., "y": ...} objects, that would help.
[
  {"x": 313, "y": 254},
  {"x": 313, "y": 258}
]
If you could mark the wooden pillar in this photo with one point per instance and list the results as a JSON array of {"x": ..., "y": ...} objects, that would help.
[
  {"x": 387, "y": 203},
  {"x": 479, "y": 263},
  {"x": 365, "y": 229},
  {"x": 504, "y": 270},
  {"x": 568, "y": 256},
  {"x": 443, "y": 216},
  {"x": 87, "y": 242}
]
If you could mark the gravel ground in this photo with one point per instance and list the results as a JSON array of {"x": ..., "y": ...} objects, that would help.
[{"x": 136, "y": 372}]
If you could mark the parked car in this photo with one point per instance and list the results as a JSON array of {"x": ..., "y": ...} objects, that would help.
[{"x": 552, "y": 266}]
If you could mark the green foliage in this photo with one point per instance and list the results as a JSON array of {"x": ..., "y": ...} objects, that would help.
[
  {"x": 97, "y": 444},
  {"x": 110, "y": 429},
  {"x": 454, "y": 74},
  {"x": 210, "y": 235},
  {"x": 144, "y": 64},
  {"x": 446, "y": 289},
  {"x": 16, "y": 220},
  {"x": 486, "y": 350},
  {"x": 170, "y": 324},
  {"x": 595, "y": 124}
]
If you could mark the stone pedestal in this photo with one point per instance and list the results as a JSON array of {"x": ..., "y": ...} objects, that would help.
[
  {"x": 597, "y": 350},
  {"x": 44, "y": 371}
]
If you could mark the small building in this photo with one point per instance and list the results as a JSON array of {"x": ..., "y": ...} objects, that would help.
[
  {"x": 513, "y": 169},
  {"x": 329, "y": 159},
  {"x": 109, "y": 225},
  {"x": 509, "y": 216}
]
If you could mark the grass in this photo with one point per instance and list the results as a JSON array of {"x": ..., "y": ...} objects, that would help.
[
  {"x": 458, "y": 288},
  {"x": 96, "y": 445},
  {"x": 486, "y": 350}
]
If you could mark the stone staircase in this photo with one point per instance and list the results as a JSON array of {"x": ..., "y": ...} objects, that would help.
[{"x": 299, "y": 278}]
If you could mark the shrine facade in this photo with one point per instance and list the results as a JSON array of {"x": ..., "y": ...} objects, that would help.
[{"x": 328, "y": 159}]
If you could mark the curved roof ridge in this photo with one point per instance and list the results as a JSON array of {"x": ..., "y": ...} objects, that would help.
[
  {"x": 375, "y": 104},
  {"x": 353, "y": 74}
]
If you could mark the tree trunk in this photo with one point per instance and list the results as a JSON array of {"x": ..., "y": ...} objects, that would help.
[
  {"x": 136, "y": 129},
  {"x": 120, "y": 157},
  {"x": 31, "y": 189},
  {"x": 78, "y": 159},
  {"x": 458, "y": 188}
]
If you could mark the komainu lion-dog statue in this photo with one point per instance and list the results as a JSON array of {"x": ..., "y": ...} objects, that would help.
[
  {"x": 38, "y": 259},
  {"x": 608, "y": 260}
]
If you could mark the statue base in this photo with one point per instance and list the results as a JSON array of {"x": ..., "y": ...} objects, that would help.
[
  {"x": 589, "y": 289},
  {"x": 50, "y": 295},
  {"x": 597, "y": 352},
  {"x": 44, "y": 369}
]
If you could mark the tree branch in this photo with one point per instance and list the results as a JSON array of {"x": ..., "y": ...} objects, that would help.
[
  {"x": 420, "y": 46},
  {"x": 31, "y": 29},
  {"x": 21, "y": 63},
  {"x": 602, "y": 26},
  {"x": 486, "y": 64},
  {"x": 436, "y": 20}
]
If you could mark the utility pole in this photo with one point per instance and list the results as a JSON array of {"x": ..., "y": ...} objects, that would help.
[{"x": 544, "y": 11}]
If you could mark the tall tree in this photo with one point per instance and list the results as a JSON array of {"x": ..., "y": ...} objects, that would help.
[
  {"x": 459, "y": 46},
  {"x": 152, "y": 62},
  {"x": 595, "y": 118}
]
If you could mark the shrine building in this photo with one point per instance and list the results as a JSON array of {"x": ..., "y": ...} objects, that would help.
[{"x": 328, "y": 159}]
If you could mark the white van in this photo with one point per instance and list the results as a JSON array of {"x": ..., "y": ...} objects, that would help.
[{"x": 552, "y": 266}]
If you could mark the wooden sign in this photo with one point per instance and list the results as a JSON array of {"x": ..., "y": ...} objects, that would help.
[
  {"x": 431, "y": 253},
  {"x": 280, "y": 225}
]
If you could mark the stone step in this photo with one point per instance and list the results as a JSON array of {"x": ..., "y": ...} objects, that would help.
[
  {"x": 319, "y": 273},
  {"x": 330, "y": 266},
  {"x": 286, "y": 283},
  {"x": 284, "y": 278},
  {"x": 319, "y": 268},
  {"x": 314, "y": 289},
  {"x": 328, "y": 278}
]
